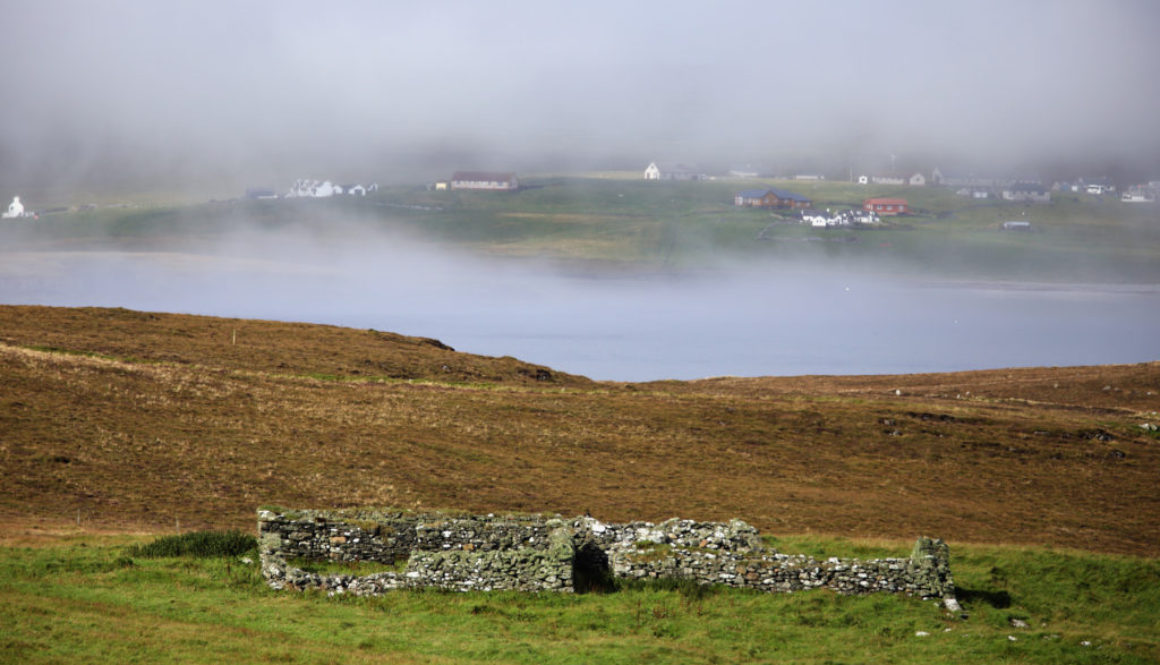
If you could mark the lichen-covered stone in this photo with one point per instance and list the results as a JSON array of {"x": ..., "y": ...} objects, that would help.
[{"x": 548, "y": 553}]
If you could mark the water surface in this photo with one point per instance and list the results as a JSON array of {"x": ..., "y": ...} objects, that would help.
[{"x": 745, "y": 322}]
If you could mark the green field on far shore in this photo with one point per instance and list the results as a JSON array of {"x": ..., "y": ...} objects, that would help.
[{"x": 627, "y": 223}]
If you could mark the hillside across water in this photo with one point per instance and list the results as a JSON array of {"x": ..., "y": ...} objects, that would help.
[{"x": 121, "y": 419}]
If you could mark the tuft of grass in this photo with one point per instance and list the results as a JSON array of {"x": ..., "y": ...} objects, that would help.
[
  {"x": 197, "y": 544},
  {"x": 687, "y": 588}
]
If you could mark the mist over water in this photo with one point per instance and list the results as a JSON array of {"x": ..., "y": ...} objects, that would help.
[{"x": 747, "y": 321}]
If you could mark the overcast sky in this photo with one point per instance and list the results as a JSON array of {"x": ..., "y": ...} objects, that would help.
[{"x": 255, "y": 85}]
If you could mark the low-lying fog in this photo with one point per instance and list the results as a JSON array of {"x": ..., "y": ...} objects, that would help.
[{"x": 748, "y": 322}]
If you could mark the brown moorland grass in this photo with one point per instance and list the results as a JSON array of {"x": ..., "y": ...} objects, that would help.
[{"x": 128, "y": 420}]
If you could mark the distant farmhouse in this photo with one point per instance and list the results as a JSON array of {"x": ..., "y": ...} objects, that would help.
[
  {"x": 1094, "y": 186},
  {"x": 915, "y": 179},
  {"x": 1099, "y": 186},
  {"x": 320, "y": 189},
  {"x": 886, "y": 206},
  {"x": 770, "y": 197},
  {"x": 1027, "y": 192},
  {"x": 819, "y": 219},
  {"x": 665, "y": 171},
  {"x": 16, "y": 210},
  {"x": 485, "y": 180},
  {"x": 974, "y": 192},
  {"x": 1139, "y": 194},
  {"x": 1018, "y": 225}
]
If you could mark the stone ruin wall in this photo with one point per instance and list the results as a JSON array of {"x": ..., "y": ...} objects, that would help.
[{"x": 550, "y": 553}]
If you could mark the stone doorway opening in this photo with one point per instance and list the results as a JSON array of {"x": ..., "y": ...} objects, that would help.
[{"x": 591, "y": 570}]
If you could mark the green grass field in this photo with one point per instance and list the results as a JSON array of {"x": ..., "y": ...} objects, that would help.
[{"x": 87, "y": 600}]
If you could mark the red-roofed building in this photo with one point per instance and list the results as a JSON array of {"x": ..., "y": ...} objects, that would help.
[{"x": 886, "y": 206}]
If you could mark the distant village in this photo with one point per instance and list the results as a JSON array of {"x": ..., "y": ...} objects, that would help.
[
  {"x": 1010, "y": 189},
  {"x": 981, "y": 187}
]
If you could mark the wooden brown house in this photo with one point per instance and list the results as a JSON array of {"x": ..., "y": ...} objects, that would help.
[{"x": 770, "y": 197}]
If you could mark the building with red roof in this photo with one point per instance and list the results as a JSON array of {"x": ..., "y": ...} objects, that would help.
[{"x": 886, "y": 206}]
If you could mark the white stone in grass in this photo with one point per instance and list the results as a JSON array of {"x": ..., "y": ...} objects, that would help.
[{"x": 921, "y": 633}]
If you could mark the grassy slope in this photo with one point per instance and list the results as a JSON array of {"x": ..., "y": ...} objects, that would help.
[
  {"x": 173, "y": 423},
  {"x": 90, "y": 602}
]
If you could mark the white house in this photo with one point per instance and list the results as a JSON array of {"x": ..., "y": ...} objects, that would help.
[
  {"x": 917, "y": 180},
  {"x": 15, "y": 209},
  {"x": 664, "y": 171},
  {"x": 863, "y": 180},
  {"x": 819, "y": 219},
  {"x": 816, "y": 218},
  {"x": 319, "y": 189}
]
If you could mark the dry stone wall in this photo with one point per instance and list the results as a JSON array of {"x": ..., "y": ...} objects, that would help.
[{"x": 550, "y": 553}]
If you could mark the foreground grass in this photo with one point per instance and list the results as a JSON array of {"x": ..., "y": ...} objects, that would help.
[{"x": 91, "y": 602}]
